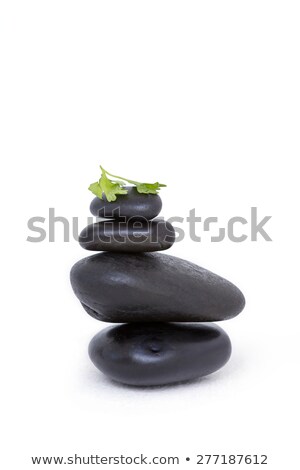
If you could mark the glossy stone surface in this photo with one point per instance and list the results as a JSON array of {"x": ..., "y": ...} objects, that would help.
[
  {"x": 146, "y": 354},
  {"x": 132, "y": 204},
  {"x": 146, "y": 287},
  {"x": 132, "y": 236}
]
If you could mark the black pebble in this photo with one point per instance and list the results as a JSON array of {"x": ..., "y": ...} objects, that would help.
[
  {"x": 132, "y": 204},
  {"x": 146, "y": 354},
  {"x": 120, "y": 287},
  {"x": 132, "y": 236}
]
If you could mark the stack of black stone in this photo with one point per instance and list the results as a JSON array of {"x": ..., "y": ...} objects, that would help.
[{"x": 162, "y": 303}]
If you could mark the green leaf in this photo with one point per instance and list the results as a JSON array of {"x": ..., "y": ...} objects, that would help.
[
  {"x": 145, "y": 188},
  {"x": 113, "y": 187},
  {"x": 148, "y": 188},
  {"x": 96, "y": 189}
]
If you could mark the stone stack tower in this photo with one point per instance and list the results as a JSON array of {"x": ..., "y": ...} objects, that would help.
[{"x": 163, "y": 305}]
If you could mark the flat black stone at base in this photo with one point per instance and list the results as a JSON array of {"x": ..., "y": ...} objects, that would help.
[
  {"x": 132, "y": 204},
  {"x": 147, "y": 354},
  {"x": 146, "y": 287},
  {"x": 128, "y": 237}
]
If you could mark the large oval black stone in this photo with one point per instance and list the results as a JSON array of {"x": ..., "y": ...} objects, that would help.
[
  {"x": 120, "y": 288},
  {"x": 130, "y": 236},
  {"x": 132, "y": 204},
  {"x": 146, "y": 354}
]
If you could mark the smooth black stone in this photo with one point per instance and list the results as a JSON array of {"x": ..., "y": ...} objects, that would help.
[
  {"x": 146, "y": 287},
  {"x": 146, "y": 354},
  {"x": 131, "y": 236},
  {"x": 132, "y": 204}
]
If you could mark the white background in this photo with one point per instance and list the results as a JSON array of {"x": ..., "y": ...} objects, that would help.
[{"x": 203, "y": 96}]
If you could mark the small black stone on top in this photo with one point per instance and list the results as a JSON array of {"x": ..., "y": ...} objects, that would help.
[{"x": 132, "y": 204}]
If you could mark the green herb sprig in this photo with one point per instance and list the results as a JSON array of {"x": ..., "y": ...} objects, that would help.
[{"x": 114, "y": 186}]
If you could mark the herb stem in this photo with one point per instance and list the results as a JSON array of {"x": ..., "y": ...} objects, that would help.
[{"x": 120, "y": 177}]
